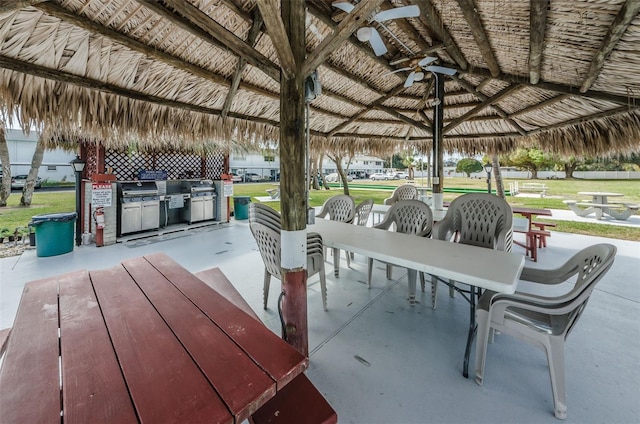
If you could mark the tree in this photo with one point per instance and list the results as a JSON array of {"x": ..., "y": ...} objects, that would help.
[
  {"x": 338, "y": 158},
  {"x": 498, "y": 176},
  {"x": 532, "y": 160},
  {"x": 5, "y": 188},
  {"x": 569, "y": 164},
  {"x": 469, "y": 166},
  {"x": 36, "y": 161},
  {"x": 407, "y": 162}
]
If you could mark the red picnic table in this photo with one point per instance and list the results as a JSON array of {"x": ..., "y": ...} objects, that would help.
[
  {"x": 534, "y": 237},
  {"x": 145, "y": 341}
]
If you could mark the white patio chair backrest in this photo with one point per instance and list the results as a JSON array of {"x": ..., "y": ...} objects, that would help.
[
  {"x": 338, "y": 208},
  {"x": 410, "y": 217},
  {"x": 402, "y": 192},
  {"x": 363, "y": 210},
  {"x": 478, "y": 219}
]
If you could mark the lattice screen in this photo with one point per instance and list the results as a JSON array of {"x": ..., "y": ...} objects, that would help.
[{"x": 178, "y": 165}]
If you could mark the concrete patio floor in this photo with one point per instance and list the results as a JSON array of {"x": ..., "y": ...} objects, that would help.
[{"x": 379, "y": 360}]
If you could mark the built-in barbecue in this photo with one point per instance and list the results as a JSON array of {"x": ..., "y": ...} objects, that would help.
[
  {"x": 201, "y": 204},
  {"x": 139, "y": 206}
]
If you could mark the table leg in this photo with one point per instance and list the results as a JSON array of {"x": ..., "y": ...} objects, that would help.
[
  {"x": 336, "y": 262},
  {"x": 472, "y": 328},
  {"x": 412, "y": 276}
]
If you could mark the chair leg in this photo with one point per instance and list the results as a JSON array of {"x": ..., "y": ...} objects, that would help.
[
  {"x": 452, "y": 291},
  {"x": 555, "y": 356},
  {"x": 323, "y": 287},
  {"x": 412, "y": 277},
  {"x": 434, "y": 291},
  {"x": 482, "y": 338},
  {"x": 265, "y": 288},
  {"x": 422, "y": 283},
  {"x": 370, "y": 270},
  {"x": 336, "y": 262},
  {"x": 348, "y": 256},
  {"x": 389, "y": 268}
]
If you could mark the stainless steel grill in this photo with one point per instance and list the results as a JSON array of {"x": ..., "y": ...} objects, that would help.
[
  {"x": 201, "y": 205},
  {"x": 139, "y": 206}
]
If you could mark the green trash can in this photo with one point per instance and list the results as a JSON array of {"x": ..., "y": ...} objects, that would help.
[
  {"x": 54, "y": 233},
  {"x": 241, "y": 207}
]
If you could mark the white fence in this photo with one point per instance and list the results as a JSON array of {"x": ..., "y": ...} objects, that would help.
[{"x": 545, "y": 175}]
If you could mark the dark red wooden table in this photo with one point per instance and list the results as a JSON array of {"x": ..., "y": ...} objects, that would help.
[
  {"x": 145, "y": 341},
  {"x": 529, "y": 214}
]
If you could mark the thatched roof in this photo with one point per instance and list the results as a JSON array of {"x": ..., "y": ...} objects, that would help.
[{"x": 559, "y": 74}]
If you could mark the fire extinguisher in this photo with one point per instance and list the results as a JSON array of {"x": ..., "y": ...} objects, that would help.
[{"x": 98, "y": 217}]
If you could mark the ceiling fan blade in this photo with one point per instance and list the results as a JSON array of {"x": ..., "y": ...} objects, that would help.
[
  {"x": 343, "y": 5},
  {"x": 409, "y": 81},
  {"x": 427, "y": 60},
  {"x": 399, "y": 70},
  {"x": 398, "y": 12},
  {"x": 376, "y": 43},
  {"x": 441, "y": 70}
]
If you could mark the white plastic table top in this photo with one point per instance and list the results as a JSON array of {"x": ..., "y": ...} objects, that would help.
[{"x": 485, "y": 268}]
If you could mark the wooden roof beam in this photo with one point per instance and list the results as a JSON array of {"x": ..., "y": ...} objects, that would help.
[
  {"x": 583, "y": 119},
  {"x": 619, "y": 26},
  {"x": 343, "y": 31},
  {"x": 198, "y": 23},
  {"x": 13, "y": 5},
  {"x": 540, "y": 105},
  {"x": 275, "y": 27},
  {"x": 486, "y": 103},
  {"x": 355, "y": 117},
  {"x": 558, "y": 88},
  {"x": 242, "y": 63},
  {"x": 404, "y": 118},
  {"x": 89, "y": 83},
  {"x": 430, "y": 17},
  {"x": 476, "y": 92},
  {"x": 472, "y": 17},
  {"x": 537, "y": 26}
]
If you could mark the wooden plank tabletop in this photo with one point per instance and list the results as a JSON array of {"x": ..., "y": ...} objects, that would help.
[{"x": 145, "y": 341}]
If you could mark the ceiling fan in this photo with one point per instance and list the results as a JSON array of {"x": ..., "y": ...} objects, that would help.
[
  {"x": 369, "y": 33},
  {"x": 417, "y": 68}
]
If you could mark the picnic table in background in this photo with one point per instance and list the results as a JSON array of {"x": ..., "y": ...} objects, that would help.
[
  {"x": 600, "y": 206},
  {"x": 145, "y": 341},
  {"x": 535, "y": 231}
]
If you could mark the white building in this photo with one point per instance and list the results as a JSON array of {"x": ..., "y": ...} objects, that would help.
[
  {"x": 55, "y": 163},
  {"x": 267, "y": 165}
]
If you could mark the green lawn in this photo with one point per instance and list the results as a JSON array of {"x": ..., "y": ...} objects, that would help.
[{"x": 14, "y": 216}]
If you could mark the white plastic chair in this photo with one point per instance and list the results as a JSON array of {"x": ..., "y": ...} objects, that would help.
[
  {"x": 478, "y": 219},
  {"x": 264, "y": 216},
  {"x": 339, "y": 208},
  {"x": 544, "y": 322},
  {"x": 402, "y": 192},
  {"x": 408, "y": 217},
  {"x": 363, "y": 210}
]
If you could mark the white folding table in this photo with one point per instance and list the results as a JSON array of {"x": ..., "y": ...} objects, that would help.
[{"x": 478, "y": 267}]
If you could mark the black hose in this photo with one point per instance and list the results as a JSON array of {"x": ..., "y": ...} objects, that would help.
[{"x": 284, "y": 329}]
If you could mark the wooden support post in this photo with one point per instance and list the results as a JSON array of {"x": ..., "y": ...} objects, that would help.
[{"x": 292, "y": 183}]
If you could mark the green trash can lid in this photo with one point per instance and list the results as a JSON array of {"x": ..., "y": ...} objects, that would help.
[{"x": 55, "y": 217}]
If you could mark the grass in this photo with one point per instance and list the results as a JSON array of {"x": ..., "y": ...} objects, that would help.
[{"x": 14, "y": 216}]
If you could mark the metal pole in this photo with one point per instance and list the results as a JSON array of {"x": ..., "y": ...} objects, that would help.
[
  {"x": 78, "y": 222},
  {"x": 489, "y": 181}
]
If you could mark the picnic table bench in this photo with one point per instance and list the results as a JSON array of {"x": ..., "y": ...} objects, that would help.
[
  {"x": 274, "y": 193},
  {"x": 617, "y": 210},
  {"x": 534, "y": 188},
  {"x": 146, "y": 341}
]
